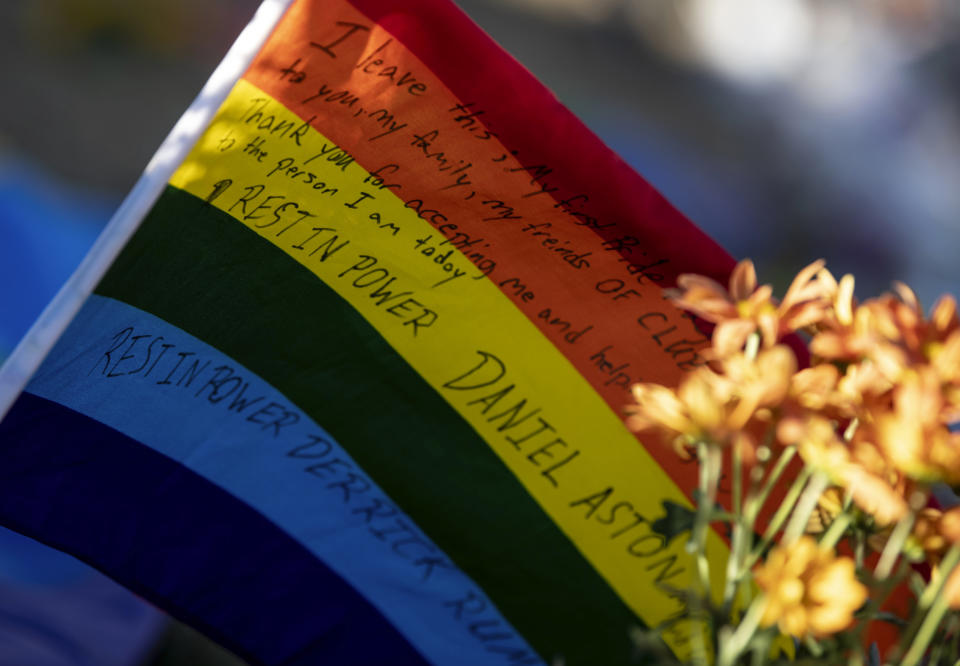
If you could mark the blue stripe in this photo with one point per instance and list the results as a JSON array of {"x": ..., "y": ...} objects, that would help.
[
  {"x": 181, "y": 542},
  {"x": 185, "y": 399}
]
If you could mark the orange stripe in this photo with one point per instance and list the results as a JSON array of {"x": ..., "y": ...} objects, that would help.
[{"x": 355, "y": 82}]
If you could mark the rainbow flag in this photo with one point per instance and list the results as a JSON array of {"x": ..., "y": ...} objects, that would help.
[{"x": 343, "y": 381}]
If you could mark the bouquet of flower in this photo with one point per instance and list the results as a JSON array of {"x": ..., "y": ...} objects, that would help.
[{"x": 836, "y": 538}]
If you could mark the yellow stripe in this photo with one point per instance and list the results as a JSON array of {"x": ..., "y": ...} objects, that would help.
[{"x": 262, "y": 165}]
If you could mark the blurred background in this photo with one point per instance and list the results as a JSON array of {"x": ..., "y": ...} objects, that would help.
[{"x": 787, "y": 129}]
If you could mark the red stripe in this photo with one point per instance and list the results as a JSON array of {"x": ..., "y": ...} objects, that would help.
[{"x": 528, "y": 118}]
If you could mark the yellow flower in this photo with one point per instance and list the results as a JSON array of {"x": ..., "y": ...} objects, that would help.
[
  {"x": 760, "y": 382},
  {"x": 817, "y": 442},
  {"x": 813, "y": 388},
  {"x": 875, "y": 495},
  {"x": 809, "y": 591},
  {"x": 873, "y": 483},
  {"x": 745, "y": 307},
  {"x": 913, "y": 436},
  {"x": 949, "y": 525},
  {"x": 713, "y": 407},
  {"x": 915, "y": 331},
  {"x": 927, "y": 540},
  {"x": 864, "y": 333},
  {"x": 857, "y": 469},
  {"x": 893, "y": 333}
]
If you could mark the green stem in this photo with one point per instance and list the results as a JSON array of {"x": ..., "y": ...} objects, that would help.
[
  {"x": 837, "y": 529},
  {"x": 761, "y": 648},
  {"x": 926, "y": 633},
  {"x": 737, "y": 463},
  {"x": 736, "y": 555},
  {"x": 955, "y": 642},
  {"x": 894, "y": 547},
  {"x": 779, "y": 517},
  {"x": 806, "y": 505},
  {"x": 734, "y": 566},
  {"x": 860, "y": 548},
  {"x": 947, "y": 565},
  {"x": 737, "y": 549},
  {"x": 814, "y": 646},
  {"x": 699, "y": 651},
  {"x": 731, "y": 649},
  {"x": 711, "y": 461},
  {"x": 753, "y": 508},
  {"x": 931, "y": 597}
]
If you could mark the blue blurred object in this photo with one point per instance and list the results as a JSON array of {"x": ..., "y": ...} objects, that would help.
[
  {"x": 45, "y": 230},
  {"x": 55, "y": 610}
]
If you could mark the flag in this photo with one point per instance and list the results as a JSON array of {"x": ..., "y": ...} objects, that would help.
[{"x": 343, "y": 381}]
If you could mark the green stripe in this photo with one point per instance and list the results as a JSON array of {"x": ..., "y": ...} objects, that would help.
[{"x": 198, "y": 269}]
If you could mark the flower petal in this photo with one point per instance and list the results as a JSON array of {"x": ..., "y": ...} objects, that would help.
[
  {"x": 743, "y": 280},
  {"x": 795, "y": 293}
]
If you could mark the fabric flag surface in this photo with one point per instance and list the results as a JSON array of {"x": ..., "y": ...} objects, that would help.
[{"x": 353, "y": 390}]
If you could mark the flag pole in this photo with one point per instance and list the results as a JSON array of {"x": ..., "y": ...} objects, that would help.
[{"x": 47, "y": 329}]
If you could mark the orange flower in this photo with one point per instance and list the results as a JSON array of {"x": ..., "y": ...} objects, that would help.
[
  {"x": 873, "y": 483},
  {"x": 694, "y": 413},
  {"x": 713, "y": 407},
  {"x": 809, "y": 590},
  {"x": 945, "y": 356},
  {"x": 858, "y": 470},
  {"x": 760, "y": 382},
  {"x": 817, "y": 442},
  {"x": 893, "y": 332},
  {"x": 949, "y": 525},
  {"x": 863, "y": 333},
  {"x": 913, "y": 436},
  {"x": 746, "y": 308},
  {"x": 874, "y": 495},
  {"x": 927, "y": 541},
  {"x": 814, "y": 388},
  {"x": 916, "y": 332}
]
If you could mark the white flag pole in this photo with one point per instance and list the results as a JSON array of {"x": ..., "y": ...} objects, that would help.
[{"x": 55, "y": 318}]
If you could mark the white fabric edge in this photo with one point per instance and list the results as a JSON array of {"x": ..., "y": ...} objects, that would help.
[{"x": 50, "y": 325}]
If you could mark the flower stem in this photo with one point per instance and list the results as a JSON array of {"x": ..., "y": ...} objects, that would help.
[
  {"x": 814, "y": 646},
  {"x": 700, "y": 657},
  {"x": 926, "y": 632},
  {"x": 947, "y": 565},
  {"x": 735, "y": 558},
  {"x": 737, "y": 464},
  {"x": 779, "y": 517},
  {"x": 753, "y": 507},
  {"x": 733, "y": 647},
  {"x": 711, "y": 461},
  {"x": 894, "y": 547},
  {"x": 806, "y": 505},
  {"x": 931, "y": 606},
  {"x": 734, "y": 566},
  {"x": 859, "y": 551},
  {"x": 837, "y": 529},
  {"x": 761, "y": 648}
]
